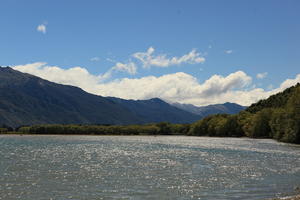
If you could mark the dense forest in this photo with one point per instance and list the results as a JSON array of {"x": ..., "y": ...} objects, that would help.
[{"x": 277, "y": 117}]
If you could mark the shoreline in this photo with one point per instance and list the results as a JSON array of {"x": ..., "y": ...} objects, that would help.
[
  {"x": 142, "y": 135},
  {"x": 158, "y": 135},
  {"x": 63, "y": 134}
]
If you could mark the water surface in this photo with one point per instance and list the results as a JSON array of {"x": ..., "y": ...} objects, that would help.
[{"x": 145, "y": 167}]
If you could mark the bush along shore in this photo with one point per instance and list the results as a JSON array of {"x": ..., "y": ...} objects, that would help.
[
  {"x": 277, "y": 117},
  {"x": 162, "y": 128}
]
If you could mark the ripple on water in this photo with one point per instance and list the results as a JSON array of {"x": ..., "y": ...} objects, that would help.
[{"x": 145, "y": 167}]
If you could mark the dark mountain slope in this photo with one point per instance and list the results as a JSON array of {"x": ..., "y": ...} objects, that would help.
[
  {"x": 156, "y": 110},
  {"x": 27, "y": 99},
  {"x": 203, "y": 111}
]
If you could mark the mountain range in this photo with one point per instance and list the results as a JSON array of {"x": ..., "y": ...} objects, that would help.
[
  {"x": 156, "y": 110},
  {"x": 203, "y": 111},
  {"x": 27, "y": 100}
]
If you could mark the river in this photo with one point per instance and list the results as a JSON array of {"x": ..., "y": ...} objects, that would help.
[{"x": 145, "y": 167}]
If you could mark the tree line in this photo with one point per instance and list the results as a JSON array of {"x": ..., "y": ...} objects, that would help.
[
  {"x": 277, "y": 117},
  {"x": 162, "y": 128}
]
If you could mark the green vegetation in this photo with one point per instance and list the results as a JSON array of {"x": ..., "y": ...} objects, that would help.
[
  {"x": 162, "y": 128},
  {"x": 278, "y": 100},
  {"x": 3, "y": 130},
  {"x": 277, "y": 117},
  {"x": 220, "y": 125}
]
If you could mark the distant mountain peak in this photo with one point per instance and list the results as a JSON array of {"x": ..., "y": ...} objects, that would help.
[
  {"x": 27, "y": 100},
  {"x": 157, "y": 110},
  {"x": 227, "y": 108},
  {"x": 158, "y": 100}
]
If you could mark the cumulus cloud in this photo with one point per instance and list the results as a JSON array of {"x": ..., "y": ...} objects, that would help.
[
  {"x": 262, "y": 75},
  {"x": 42, "y": 28},
  {"x": 178, "y": 87},
  {"x": 76, "y": 76},
  {"x": 148, "y": 59},
  {"x": 229, "y": 51},
  {"x": 130, "y": 68},
  {"x": 288, "y": 83}
]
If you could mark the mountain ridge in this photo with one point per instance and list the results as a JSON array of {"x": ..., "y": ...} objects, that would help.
[
  {"x": 157, "y": 110},
  {"x": 203, "y": 111},
  {"x": 26, "y": 99}
]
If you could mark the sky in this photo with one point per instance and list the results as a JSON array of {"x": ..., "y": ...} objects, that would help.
[{"x": 196, "y": 52}]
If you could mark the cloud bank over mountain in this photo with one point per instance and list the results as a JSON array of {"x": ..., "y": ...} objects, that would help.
[{"x": 176, "y": 87}]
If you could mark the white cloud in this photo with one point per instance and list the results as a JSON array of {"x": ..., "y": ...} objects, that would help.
[
  {"x": 42, "y": 28},
  {"x": 95, "y": 59},
  {"x": 288, "y": 83},
  {"x": 130, "y": 68},
  {"x": 76, "y": 76},
  {"x": 229, "y": 51},
  {"x": 262, "y": 75},
  {"x": 148, "y": 59},
  {"x": 178, "y": 87}
]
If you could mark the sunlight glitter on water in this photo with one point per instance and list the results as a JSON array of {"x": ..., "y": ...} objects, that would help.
[{"x": 145, "y": 167}]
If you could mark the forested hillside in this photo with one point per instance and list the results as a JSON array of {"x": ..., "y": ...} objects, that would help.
[
  {"x": 278, "y": 100},
  {"x": 29, "y": 100},
  {"x": 277, "y": 117}
]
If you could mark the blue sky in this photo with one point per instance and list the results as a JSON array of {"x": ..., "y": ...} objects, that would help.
[{"x": 252, "y": 37}]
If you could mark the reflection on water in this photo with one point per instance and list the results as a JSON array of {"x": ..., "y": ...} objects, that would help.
[{"x": 145, "y": 167}]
